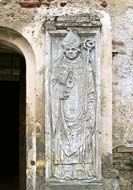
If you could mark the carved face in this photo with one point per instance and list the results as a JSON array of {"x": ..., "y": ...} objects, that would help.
[{"x": 71, "y": 52}]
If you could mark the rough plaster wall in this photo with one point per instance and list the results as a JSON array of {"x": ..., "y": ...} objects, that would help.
[{"x": 122, "y": 22}]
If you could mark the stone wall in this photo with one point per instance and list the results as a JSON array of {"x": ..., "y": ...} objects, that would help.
[
  {"x": 123, "y": 161},
  {"x": 28, "y": 20}
]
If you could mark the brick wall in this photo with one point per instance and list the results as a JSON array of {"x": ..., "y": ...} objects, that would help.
[{"x": 123, "y": 161}]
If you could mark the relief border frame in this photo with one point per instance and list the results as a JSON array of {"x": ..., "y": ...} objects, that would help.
[
  {"x": 50, "y": 32},
  {"x": 106, "y": 76}
]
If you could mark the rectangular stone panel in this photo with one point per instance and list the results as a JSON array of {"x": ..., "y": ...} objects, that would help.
[{"x": 73, "y": 107}]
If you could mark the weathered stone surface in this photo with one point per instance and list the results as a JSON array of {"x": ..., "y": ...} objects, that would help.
[
  {"x": 110, "y": 173},
  {"x": 107, "y": 161},
  {"x": 123, "y": 161},
  {"x": 126, "y": 180},
  {"x": 111, "y": 184},
  {"x": 70, "y": 134},
  {"x": 72, "y": 77},
  {"x": 92, "y": 186}
]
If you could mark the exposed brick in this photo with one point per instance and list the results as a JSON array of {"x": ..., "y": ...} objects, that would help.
[
  {"x": 117, "y": 155},
  {"x": 127, "y": 154},
  {"x": 125, "y": 149}
]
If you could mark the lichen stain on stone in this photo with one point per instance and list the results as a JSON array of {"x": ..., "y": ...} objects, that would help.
[
  {"x": 42, "y": 71},
  {"x": 40, "y": 163},
  {"x": 40, "y": 145},
  {"x": 118, "y": 43}
]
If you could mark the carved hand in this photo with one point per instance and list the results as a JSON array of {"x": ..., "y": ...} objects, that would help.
[
  {"x": 68, "y": 85},
  {"x": 69, "y": 80}
]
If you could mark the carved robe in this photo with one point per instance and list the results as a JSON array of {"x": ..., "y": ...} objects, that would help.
[{"x": 73, "y": 100}]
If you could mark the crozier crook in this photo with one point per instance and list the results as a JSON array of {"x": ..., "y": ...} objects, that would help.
[{"x": 89, "y": 45}]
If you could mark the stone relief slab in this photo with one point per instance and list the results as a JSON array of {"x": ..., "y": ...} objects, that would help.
[{"x": 72, "y": 109}]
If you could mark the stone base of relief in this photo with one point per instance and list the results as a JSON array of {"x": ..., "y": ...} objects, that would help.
[{"x": 73, "y": 187}]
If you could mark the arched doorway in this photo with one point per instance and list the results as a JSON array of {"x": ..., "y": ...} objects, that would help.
[
  {"x": 12, "y": 42},
  {"x": 12, "y": 119}
]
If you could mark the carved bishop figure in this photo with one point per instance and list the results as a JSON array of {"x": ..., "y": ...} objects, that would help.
[{"x": 73, "y": 102}]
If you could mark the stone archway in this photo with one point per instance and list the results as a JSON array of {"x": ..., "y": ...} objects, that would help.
[{"x": 14, "y": 41}]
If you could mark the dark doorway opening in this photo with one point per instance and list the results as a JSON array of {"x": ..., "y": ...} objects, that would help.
[
  {"x": 9, "y": 132},
  {"x": 12, "y": 122}
]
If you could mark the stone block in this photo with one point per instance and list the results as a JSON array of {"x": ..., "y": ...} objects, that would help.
[
  {"x": 117, "y": 155},
  {"x": 125, "y": 149},
  {"x": 110, "y": 173},
  {"x": 111, "y": 184},
  {"x": 67, "y": 186}
]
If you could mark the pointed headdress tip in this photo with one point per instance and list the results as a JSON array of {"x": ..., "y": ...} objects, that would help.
[{"x": 71, "y": 39}]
